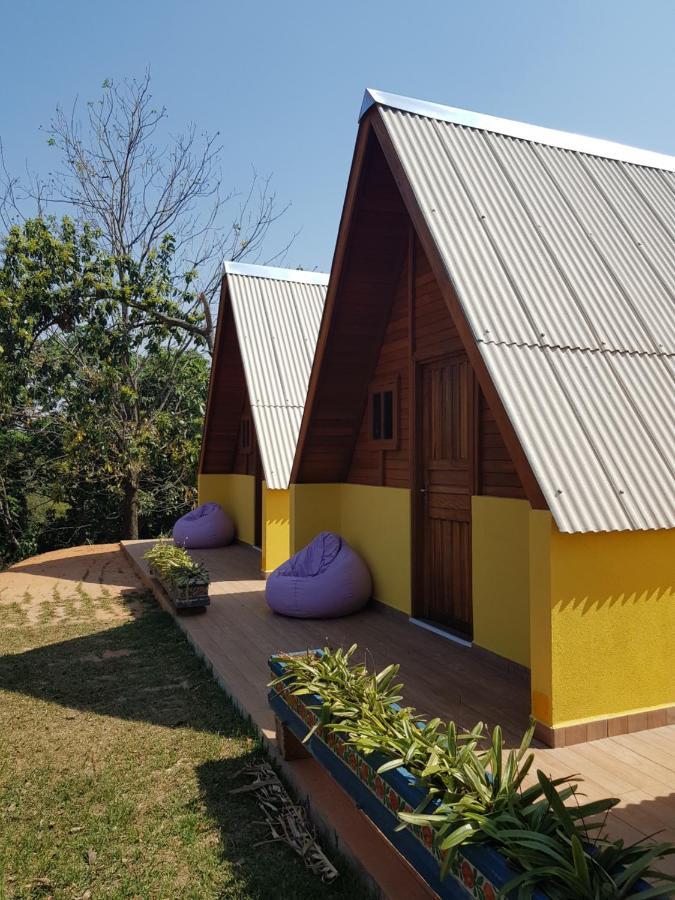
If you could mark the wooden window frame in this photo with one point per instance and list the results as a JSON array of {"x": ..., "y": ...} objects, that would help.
[
  {"x": 246, "y": 434},
  {"x": 381, "y": 387}
]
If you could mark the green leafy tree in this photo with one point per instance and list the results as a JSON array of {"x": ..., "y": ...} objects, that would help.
[
  {"x": 49, "y": 273},
  {"x": 155, "y": 450},
  {"x": 102, "y": 402},
  {"x": 107, "y": 319}
]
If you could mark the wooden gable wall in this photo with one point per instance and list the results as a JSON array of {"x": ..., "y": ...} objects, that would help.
[
  {"x": 390, "y": 467},
  {"x": 246, "y": 463},
  {"x": 421, "y": 325},
  {"x": 375, "y": 251},
  {"x": 380, "y": 321},
  {"x": 228, "y": 403}
]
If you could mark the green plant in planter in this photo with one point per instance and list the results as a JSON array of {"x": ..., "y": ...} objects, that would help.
[
  {"x": 175, "y": 564},
  {"x": 553, "y": 844},
  {"x": 477, "y": 792}
]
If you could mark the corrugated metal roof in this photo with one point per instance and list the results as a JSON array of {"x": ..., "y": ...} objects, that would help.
[
  {"x": 277, "y": 313},
  {"x": 562, "y": 252},
  {"x": 590, "y": 425}
]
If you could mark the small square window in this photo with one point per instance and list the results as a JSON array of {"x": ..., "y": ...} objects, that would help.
[{"x": 383, "y": 406}]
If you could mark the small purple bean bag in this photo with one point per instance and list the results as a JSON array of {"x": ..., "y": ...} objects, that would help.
[
  {"x": 323, "y": 580},
  {"x": 207, "y": 526}
]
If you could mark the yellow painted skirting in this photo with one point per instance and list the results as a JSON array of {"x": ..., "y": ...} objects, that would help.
[
  {"x": 604, "y": 615},
  {"x": 276, "y": 538},
  {"x": 236, "y": 494},
  {"x": 374, "y": 520},
  {"x": 500, "y": 575}
]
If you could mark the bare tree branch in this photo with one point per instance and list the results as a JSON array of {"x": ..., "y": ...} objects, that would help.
[{"x": 123, "y": 172}]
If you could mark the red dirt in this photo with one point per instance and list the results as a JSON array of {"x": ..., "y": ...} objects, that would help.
[{"x": 62, "y": 577}]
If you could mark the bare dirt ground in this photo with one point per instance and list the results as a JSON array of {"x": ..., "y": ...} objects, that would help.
[{"x": 62, "y": 585}]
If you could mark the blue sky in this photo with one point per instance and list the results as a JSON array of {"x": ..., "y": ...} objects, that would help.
[{"x": 283, "y": 82}]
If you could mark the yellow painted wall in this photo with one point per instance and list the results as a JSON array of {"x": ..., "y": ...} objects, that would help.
[
  {"x": 236, "y": 494},
  {"x": 541, "y": 673},
  {"x": 314, "y": 508},
  {"x": 374, "y": 520},
  {"x": 276, "y": 530},
  {"x": 611, "y": 605},
  {"x": 500, "y": 567},
  {"x": 593, "y": 615}
]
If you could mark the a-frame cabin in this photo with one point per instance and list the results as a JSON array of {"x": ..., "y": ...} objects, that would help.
[
  {"x": 268, "y": 322},
  {"x": 487, "y": 419}
]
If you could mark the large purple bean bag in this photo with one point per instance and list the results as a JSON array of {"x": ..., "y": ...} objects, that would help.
[
  {"x": 207, "y": 526},
  {"x": 325, "y": 579}
]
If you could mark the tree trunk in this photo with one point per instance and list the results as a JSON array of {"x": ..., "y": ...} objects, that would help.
[
  {"x": 130, "y": 510},
  {"x": 7, "y": 519}
]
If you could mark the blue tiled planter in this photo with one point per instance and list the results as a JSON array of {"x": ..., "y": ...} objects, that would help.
[{"x": 479, "y": 870}]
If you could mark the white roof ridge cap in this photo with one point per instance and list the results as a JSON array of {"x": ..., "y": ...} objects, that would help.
[
  {"x": 564, "y": 140},
  {"x": 299, "y": 276}
]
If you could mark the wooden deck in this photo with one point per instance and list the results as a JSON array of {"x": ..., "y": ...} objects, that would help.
[{"x": 238, "y": 633}]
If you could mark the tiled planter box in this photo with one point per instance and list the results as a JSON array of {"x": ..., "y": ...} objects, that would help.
[
  {"x": 478, "y": 871},
  {"x": 192, "y": 595}
]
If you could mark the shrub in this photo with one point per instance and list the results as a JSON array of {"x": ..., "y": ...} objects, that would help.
[{"x": 474, "y": 792}]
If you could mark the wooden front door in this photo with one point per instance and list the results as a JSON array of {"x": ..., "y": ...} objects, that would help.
[{"x": 445, "y": 476}]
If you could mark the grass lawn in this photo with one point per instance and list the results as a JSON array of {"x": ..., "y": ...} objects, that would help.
[{"x": 117, "y": 755}]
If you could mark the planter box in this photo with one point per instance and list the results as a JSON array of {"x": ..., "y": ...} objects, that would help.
[
  {"x": 193, "y": 595},
  {"x": 478, "y": 872}
]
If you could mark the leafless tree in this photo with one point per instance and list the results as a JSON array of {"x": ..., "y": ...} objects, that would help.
[
  {"x": 13, "y": 195},
  {"x": 119, "y": 170}
]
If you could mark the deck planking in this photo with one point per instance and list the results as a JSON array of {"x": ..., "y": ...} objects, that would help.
[{"x": 441, "y": 677}]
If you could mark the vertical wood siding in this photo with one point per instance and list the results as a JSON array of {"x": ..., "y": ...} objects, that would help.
[
  {"x": 389, "y": 467},
  {"x": 228, "y": 396},
  {"x": 349, "y": 348},
  {"x": 246, "y": 463},
  {"x": 434, "y": 336}
]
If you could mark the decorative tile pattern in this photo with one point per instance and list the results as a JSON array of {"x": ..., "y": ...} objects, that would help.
[{"x": 474, "y": 882}]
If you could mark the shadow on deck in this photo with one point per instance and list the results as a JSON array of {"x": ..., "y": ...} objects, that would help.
[{"x": 441, "y": 676}]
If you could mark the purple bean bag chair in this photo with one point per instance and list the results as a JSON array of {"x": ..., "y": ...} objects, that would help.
[
  {"x": 325, "y": 579},
  {"x": 207, "y": 526}
]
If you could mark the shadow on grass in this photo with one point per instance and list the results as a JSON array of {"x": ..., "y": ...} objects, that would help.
[
  {"x": 271, "y": 870},
  {"x": 143, "y": 670}
]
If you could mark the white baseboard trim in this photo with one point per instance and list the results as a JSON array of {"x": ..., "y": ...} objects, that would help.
[{"x": 441, "y": 632}]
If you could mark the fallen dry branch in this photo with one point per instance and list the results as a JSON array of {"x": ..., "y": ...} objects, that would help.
[{"x": 286, "y": 821}]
